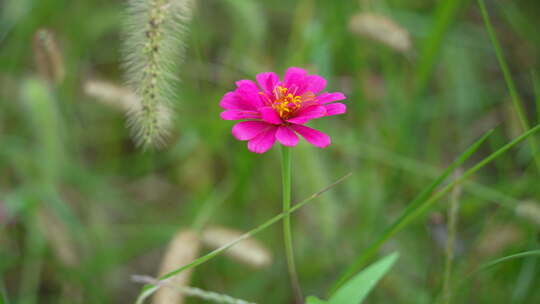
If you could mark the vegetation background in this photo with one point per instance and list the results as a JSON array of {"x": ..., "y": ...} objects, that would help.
[{"x": 82, "y": 208}]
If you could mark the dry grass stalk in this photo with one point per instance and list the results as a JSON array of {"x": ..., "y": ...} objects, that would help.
[
  {"x": 183, "y": 249},
  {"x": 48, "y": 56},
  {"x": 382, "y": 29},
  {"x": 250, "y": 251}
]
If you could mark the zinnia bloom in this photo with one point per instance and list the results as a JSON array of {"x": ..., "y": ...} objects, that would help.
[{"x": 277, "y": 110}]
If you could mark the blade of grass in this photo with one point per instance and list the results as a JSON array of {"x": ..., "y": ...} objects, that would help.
[
  {"x": 359, "y": 287},
  {"x": 494, "y": 263},
  {"x": 453, "y": 211},
  {"x": 507, "y": 258},
  {"x": 33, "y": 263},
  {"x": 525, "y": 280},
  {"x": 423, "y": 201},
  {"x": 422, "y": 197},
  {"x": 422, "y": 169},
  {"x": 445, "y": 13},
  {"x": 536, "y": 87},
  {"x": 210, "y": 205},
  {"x": 516, "y": 100},
  {"x": 149, "y": 289}
]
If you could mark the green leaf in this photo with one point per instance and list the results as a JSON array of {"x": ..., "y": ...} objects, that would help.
[{"x": 357, "y": 289}]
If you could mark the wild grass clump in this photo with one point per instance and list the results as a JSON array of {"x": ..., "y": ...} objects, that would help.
[{"x": 154, "y": 36}]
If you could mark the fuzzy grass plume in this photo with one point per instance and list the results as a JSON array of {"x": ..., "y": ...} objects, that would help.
[{"x": 153, "y": 50}]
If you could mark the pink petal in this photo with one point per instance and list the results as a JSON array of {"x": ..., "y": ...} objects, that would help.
[
  {"x": 313, "y": 136},
  {"x": 247, "y": 85},
  {"x": 249, "y": 92},
  {"x": 329, "y": 97},
  {"x": 306, "y": 114},
  {"x": 268, "y": 81},
  {"x": 264, "y": 141},
  {"x": 247, "y": 130},
  {"x": 295, "y": 77},
  {"x": 239, "y": 114},
  {"x": 232, "y": 101},
  {"x": 335, "y": 109},
  {"x": 315, "y": 83},
  {"x": 270, "y": 115},
  {"x": 286, "y": 136}
]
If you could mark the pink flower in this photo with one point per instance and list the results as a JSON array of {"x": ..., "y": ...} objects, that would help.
[{"x": 277, "y": 110}]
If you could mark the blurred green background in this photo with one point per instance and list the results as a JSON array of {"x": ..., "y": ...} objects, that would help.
[{"x": 82, "y": 208}]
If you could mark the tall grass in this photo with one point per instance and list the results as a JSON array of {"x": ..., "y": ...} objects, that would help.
[{"x": 67, "y": 160}]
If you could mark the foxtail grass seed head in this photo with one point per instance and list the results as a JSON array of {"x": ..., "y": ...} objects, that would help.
[
  {"x": 155, "y": 31},
  {"x": 250, "y": 251},
  {"x": 271, "y": 109},
  {"x": 48, "y": 56},
  {"x": 382, "y": 29},
  {"x": 182, "y": 250}
]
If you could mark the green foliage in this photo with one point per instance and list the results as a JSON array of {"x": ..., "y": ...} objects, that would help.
[
  {"x": 410, "y": 115},
  {"x": 357, "y": 289}
]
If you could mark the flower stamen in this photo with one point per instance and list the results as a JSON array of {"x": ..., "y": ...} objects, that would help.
[{"x": 285, "y": 102}]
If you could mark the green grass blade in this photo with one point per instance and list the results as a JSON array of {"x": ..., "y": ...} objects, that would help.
[
  {"x": 148, "y": 289},
  {"x": 422, "y": 169},
  {"x": 423, "y": 202},
  {"x": 405, "y": 218},
  {"x": 496, "y": 262},
  {"x": 536, "y": 87},
  {"x": 445, "y": 13},
  {"x": 358, "y": 288},
  {"x": 509, "y": 257},
  {"x": 516, "y": 100}
]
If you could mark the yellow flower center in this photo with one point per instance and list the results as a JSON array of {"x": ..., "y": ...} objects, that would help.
[{"x": 286, "y": 102}]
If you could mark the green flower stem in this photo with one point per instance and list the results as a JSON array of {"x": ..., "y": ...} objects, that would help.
[{"x": 287, "y": 236}]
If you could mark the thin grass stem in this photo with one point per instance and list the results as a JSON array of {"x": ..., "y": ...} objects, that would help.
[
  {"x": 516, "y": 100},
  {"x": 450, "y": 244}
]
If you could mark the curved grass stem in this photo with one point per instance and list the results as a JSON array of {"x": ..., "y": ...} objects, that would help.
[{"x": 287, "y": 235}]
